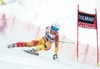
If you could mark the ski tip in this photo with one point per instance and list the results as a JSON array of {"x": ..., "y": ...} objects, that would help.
[{"x": 29, "y": 52}]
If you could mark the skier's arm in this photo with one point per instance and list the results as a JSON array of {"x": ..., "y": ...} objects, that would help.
[
  {"x": 55, "y": 56},
  {"x": 56, "y": 44},
  {"x": 56, "y": 47}
]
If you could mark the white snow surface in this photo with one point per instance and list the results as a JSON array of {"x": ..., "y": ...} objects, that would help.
[{"x": 15, "y": 58}]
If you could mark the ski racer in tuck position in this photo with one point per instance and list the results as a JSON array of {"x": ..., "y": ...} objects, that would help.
[{"x": 51, "y": 36}]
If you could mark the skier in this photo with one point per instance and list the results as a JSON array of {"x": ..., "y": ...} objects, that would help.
[{"x": 51, "y": 36}]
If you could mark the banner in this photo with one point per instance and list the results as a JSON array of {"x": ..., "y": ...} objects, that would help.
[{"x": 86, "y": 20}]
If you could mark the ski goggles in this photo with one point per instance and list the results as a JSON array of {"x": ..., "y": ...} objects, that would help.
[{"x": 54, "y": 28}]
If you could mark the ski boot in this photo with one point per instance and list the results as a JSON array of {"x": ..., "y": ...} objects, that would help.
[{"x": 12, "y": 45}]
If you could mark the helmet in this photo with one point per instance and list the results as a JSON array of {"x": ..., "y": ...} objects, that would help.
[{"x": 55, "y": 27}]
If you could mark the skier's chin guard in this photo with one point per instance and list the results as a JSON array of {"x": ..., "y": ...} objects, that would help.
[{"x": 47, "y": 46}]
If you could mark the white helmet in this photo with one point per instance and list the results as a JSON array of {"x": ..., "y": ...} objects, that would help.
[{"x": 55, "y": 27}]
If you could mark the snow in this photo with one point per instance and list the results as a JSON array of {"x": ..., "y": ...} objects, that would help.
[{"x": 15, "y": 58}]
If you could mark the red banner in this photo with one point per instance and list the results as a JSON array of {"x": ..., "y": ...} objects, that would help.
[{"x": 86, "y": 20}]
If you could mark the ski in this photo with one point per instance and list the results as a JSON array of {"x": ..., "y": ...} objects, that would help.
[{"x": 30, "y": 52}]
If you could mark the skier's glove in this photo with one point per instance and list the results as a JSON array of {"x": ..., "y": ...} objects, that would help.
[{"x": 55, "y": 56}]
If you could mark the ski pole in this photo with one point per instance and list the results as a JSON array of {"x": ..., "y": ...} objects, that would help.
[{"x": 66, "y": 42}]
